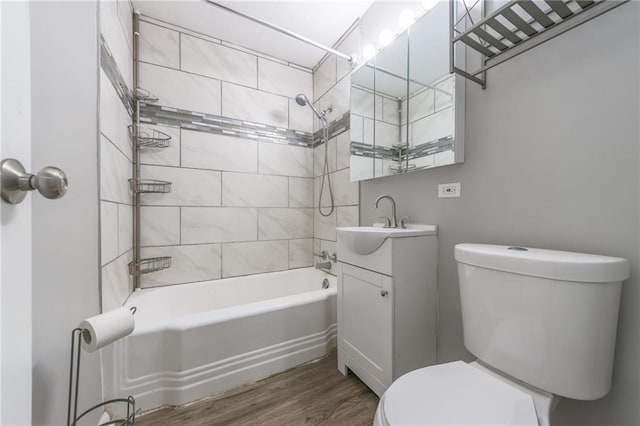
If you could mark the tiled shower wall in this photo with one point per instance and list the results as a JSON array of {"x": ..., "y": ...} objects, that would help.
[
  {"x": 331, "y": 86},
  {"x": 115, "y": 153},
  {"x": 238, "y": 205}
]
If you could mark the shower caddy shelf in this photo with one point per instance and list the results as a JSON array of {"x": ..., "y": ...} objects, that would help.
[
  {"x": 515, "y": 28},
  {"x": 149, "y": 186},
  {"x": 149, "y": 265},
  {"x": 146, "y": 137}
]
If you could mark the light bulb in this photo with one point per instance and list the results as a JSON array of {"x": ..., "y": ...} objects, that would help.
[
  {"x": 406, "y": 18},
  {"x": 386, "y": 37},
  {"x": 369, "y": 51},
  {"x": 429, "y": 4}
]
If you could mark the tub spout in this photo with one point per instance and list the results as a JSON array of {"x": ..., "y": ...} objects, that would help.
[{"x": 323, "y": 265}]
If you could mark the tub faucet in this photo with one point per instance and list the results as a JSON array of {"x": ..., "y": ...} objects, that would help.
[
  {"x": 394, "y": 219},
  {"x": 323, "y": 265}
]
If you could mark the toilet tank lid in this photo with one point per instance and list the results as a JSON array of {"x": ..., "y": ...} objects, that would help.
[{"x": 551, "y": 264}]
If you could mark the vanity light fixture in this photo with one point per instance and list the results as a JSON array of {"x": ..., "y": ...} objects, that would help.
[
  {"x": 386, "y": 37},
  {"x": 369, "y": 51},
  {"x": 406, "y": 19}
]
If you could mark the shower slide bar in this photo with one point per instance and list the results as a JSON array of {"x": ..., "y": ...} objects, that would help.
[{"x": 284, "y": 31}]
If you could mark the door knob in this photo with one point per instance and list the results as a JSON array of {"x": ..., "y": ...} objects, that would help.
[
  {"x": 51, "y": 182},
  {"x": 383, "y": 293}
]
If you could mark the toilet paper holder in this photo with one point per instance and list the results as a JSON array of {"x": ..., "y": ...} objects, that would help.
[{"x": 74, "y": 383}]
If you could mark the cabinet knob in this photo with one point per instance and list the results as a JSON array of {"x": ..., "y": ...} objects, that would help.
[{"x": 383, "y": 293}]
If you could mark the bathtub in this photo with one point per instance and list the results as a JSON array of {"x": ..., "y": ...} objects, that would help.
[{"x": 195, "y": 340}]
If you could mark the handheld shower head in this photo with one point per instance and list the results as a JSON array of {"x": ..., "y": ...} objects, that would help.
[{"x": 302, "y": 99}]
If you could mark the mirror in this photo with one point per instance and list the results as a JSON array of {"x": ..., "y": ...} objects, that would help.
[{"x": 407, "y": 110}]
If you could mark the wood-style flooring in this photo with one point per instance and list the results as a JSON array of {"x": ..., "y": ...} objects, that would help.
[{"x": 312, "y": 394}]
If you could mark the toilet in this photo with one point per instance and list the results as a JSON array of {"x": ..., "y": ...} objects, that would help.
[{"x": 542, "y": 324}]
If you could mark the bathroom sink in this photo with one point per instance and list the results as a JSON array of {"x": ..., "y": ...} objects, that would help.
[{"x": 367, "y": 239}]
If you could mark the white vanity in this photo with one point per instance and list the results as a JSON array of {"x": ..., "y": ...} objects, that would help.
[{"x": 387, "y": 301}]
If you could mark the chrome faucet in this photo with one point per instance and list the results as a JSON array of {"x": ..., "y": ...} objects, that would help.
[{"x": 393, "y": 222}]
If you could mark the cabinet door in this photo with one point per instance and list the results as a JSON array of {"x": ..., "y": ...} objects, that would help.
[{"x": 366, "y": 313}]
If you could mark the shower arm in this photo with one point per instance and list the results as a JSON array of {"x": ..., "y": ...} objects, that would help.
[{"x": 303, "y": 39}]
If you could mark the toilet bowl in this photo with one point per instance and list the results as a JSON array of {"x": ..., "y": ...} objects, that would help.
[
  {"x": 542, "y": 324},
  {"x": 458, "y": 393}
]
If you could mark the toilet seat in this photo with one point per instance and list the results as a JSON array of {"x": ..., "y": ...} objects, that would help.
[{"x": 456, "y": 393}]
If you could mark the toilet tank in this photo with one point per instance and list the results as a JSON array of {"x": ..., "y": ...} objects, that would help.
[{"x": 545, "y": 317}]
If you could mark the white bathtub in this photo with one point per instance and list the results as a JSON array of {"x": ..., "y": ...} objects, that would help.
[{"x": 201, "y": 339}]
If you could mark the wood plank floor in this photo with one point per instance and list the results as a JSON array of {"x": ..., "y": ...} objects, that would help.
[{"x": 313, "y": 394}]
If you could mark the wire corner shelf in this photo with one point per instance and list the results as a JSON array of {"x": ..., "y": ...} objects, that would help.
[
  {"x": 514, "y": 28},
  {"x": 146, "y": 137},
  {"x": 149, "y": 186},
  {"x": 149, "y": 265}
]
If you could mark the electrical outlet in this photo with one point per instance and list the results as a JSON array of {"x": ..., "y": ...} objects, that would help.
[{"x": 449, "y": 190}]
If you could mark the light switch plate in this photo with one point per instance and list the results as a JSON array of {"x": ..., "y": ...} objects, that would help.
[{"x": 449, "y": 190}]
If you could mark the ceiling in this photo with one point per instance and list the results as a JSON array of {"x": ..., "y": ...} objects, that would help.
[{"x": 322, "y": 21}]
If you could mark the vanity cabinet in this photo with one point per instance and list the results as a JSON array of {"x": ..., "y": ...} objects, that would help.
[{"x": 387, "y": 309}]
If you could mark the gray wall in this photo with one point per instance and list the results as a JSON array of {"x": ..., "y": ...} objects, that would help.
[
  {"x": 65, "y": 232},
  {"x": 551, "y": 161}
]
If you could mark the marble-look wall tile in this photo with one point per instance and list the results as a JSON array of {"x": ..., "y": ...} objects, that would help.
[
  {"x": 159, "y": 226},
  {"x": 116, "y": 282},
  {"x": 215, "y": 225},
  {"x": 442, "y": 100},
  {"x": 214, "y": 60},
  {"x": 283, "y": 80},
  {"x": 324, "y": 227},
  {"x": 163, "y": 156},
  {"x": 189, "y": 187},
  {"x": 218, "y": 152},
  {"x": 300, "y": 192},
  {"x": 115, "y": 171},
  {"x": 356, "y": 128},
  {"x": 345, "y": 192},
  {"x": 108, "y": 231},
  {"x": 286, "y": 160},
  {"x": 351, "y": 46},
  {"x": 390, "y": 111},
  {"x": 125, "y": 14},
  {"x": 188, "y": 264},
  {"x": 318, "y": 157},
  {"x": 300, "y": 253},
  {"x": 254, "y": 257},
  {"x": 114, "y": 35},
  {"x": 277, "y": 224},
  {"x": 421, "y": 105},
  {"x": 300, "y": 118},
  {"x": 338, "y": 97},
  {"x": 114, "y": 118},
  {"x": 343, "y": 150},
  {"x": 178, "y": 89},
  {"x": 159, "y": 45},
  {"x": 251, "y": 190},
  {"x": 253, "y": 105},
  {"x": 434, "y": 126},
  {"x": 324, "y": 77},
  {"x": 125, "y": 228},
  {"x": 348, "y": 216},
  {"x": 321, "y": 194},
  {"x": 362, "y": 102},
  {"x": 387, "y": 134}
]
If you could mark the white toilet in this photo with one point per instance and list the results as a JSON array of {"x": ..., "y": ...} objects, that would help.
[{"x": 542, "y": 324}]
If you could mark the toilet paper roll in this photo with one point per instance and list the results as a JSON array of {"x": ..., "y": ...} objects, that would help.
[{"x": 104, "y": 329}]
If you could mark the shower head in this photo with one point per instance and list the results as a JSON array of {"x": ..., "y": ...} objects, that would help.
[{"x": 302, "y": 99}]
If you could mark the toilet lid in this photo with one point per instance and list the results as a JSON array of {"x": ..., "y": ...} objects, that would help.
[{"x": 455, "y": 394}]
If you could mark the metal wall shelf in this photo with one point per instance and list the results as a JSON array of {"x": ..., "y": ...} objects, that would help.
[
  {"x": 151, "y": 264},
  {"x": 146, "y": 137},
  {"x": 149, "y": 186},
  {"x": 515, "y": 28}
]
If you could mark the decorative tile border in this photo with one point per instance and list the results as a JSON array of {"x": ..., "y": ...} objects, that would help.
[
  {"x": 110, "y": 68},
  {"x": 395, "y": 153},
  {"x": 174, "y": 117},
  {"x": 336, "y": 127}
]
